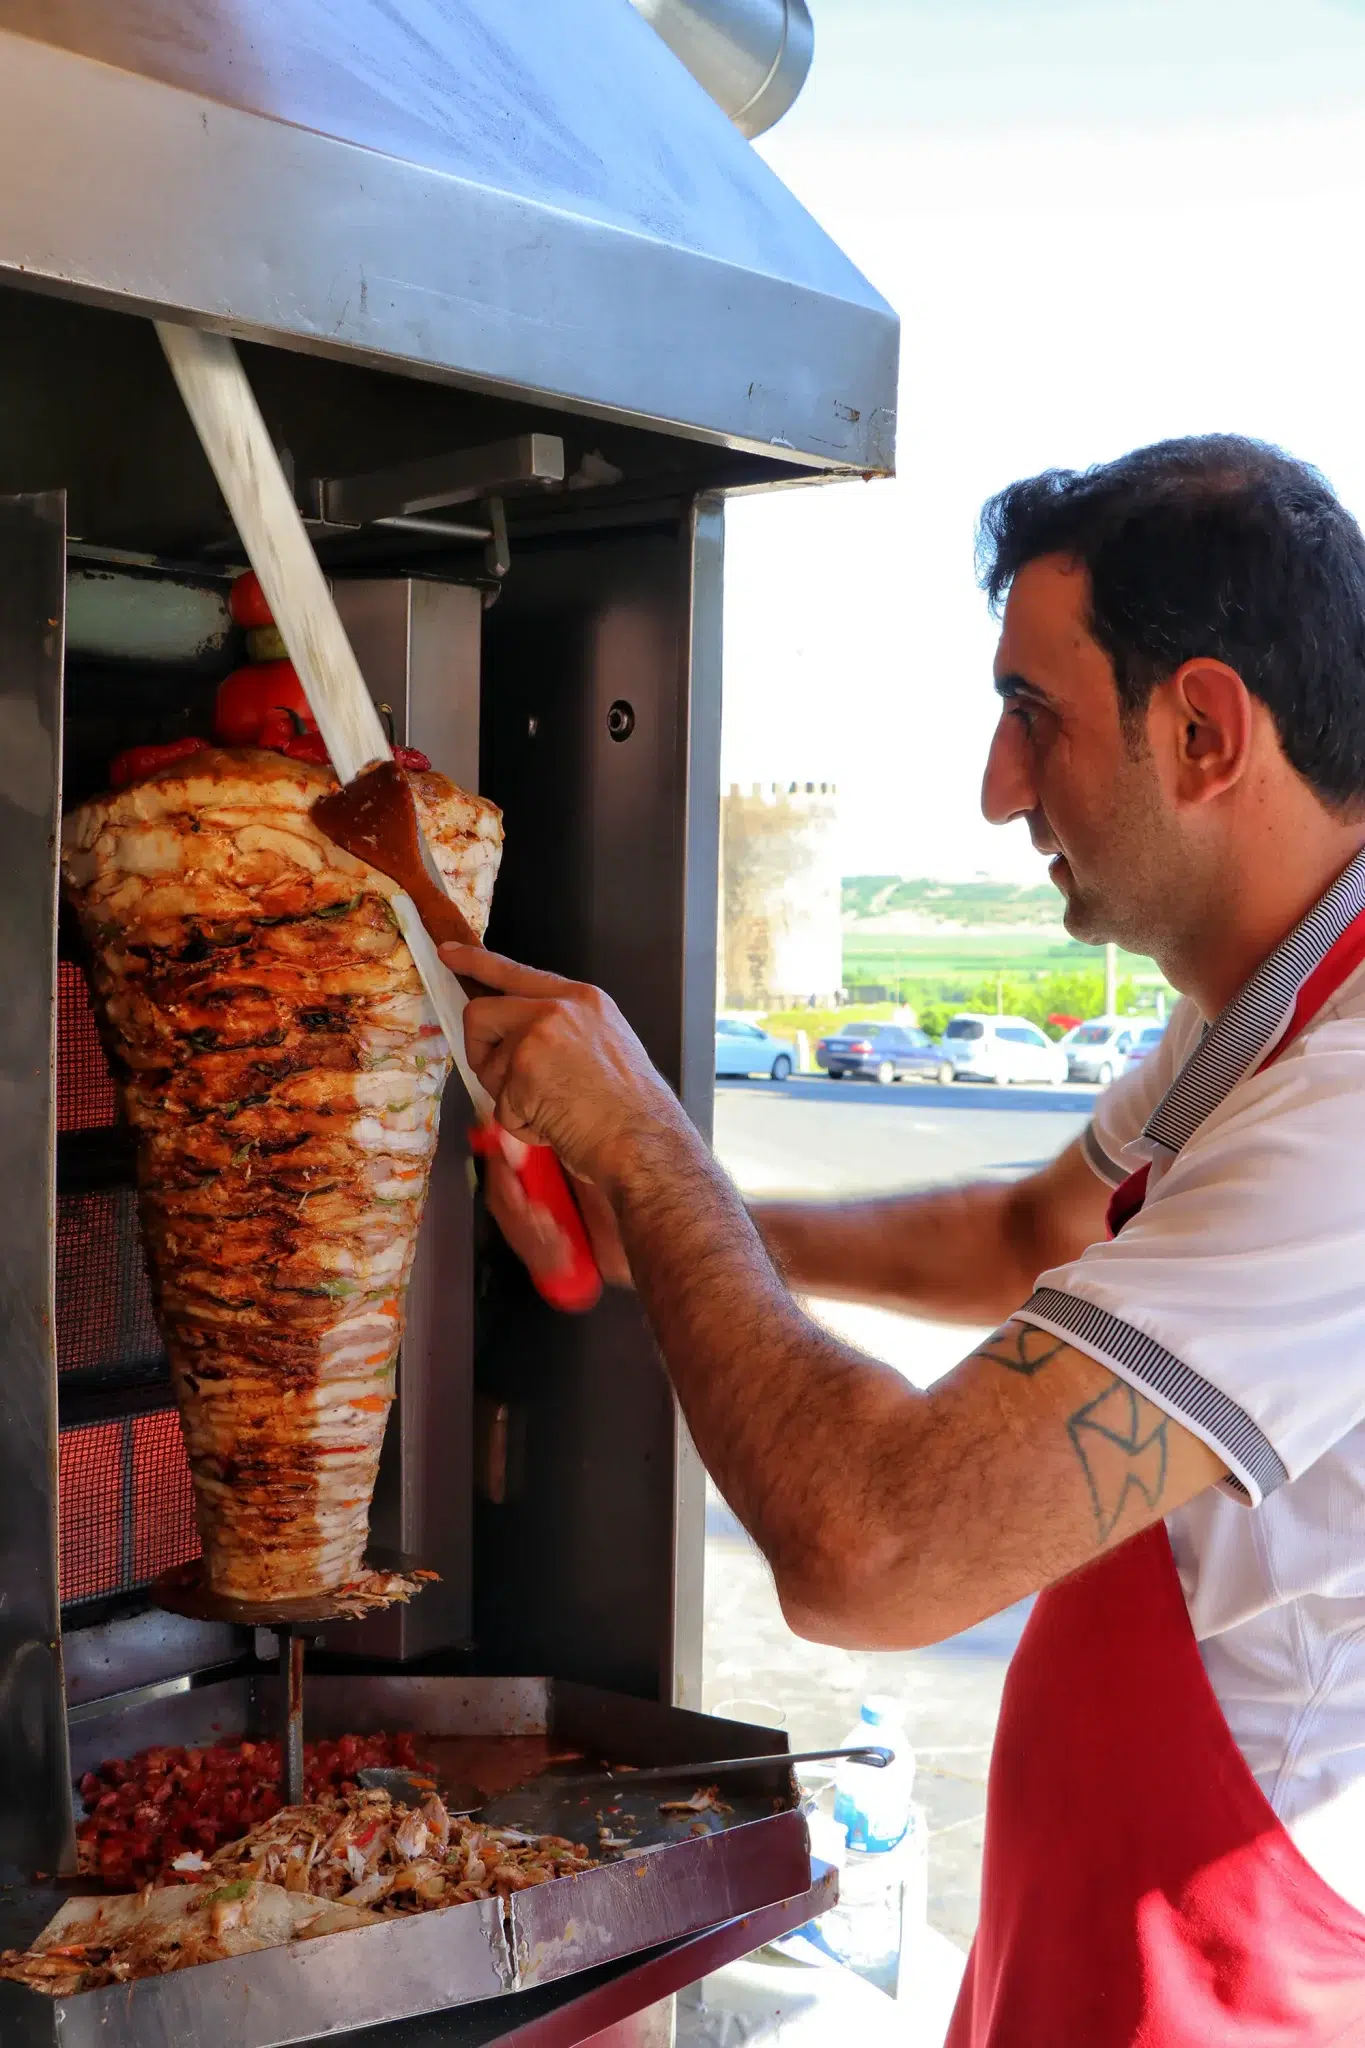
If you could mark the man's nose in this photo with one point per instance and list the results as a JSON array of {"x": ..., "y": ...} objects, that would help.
[{"x": 1007, "y": 787}]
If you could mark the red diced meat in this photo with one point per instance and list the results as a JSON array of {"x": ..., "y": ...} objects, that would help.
[{"x": 144, "y": 1811}]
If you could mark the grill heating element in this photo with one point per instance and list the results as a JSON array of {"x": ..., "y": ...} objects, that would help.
[{"x": 125, "y": 1498}]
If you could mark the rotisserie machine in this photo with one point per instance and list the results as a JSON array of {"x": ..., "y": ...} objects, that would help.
[{"x": 521, "y": 307}]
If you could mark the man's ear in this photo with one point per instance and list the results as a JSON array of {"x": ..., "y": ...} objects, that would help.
[{"x": 1202, "y": 720}]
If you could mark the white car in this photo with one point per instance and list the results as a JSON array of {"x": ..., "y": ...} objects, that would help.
[{"x": 1001, "y": 1049}]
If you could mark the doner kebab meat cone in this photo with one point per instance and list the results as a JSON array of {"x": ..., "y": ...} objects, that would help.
[{"x": 282, "y": 1070}]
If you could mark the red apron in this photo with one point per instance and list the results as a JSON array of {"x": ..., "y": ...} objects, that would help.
[{"x": 1138, "y": 1890}]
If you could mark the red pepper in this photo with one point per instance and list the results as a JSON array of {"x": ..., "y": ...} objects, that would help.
[
  {"x": 246, "y": 602},
  {"x": 135, "y": 764},
  {"x": 248, "y": 696},
  {"x": 411, "y": 758},
  {"x": 276, "y": 730},
  {"x": 304, "y": 746}
]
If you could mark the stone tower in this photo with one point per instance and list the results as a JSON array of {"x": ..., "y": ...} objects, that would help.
[{"x": 781, "y": 940}]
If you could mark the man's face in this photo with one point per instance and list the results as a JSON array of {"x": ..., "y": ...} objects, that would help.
[{"x": 1062, "y": 759}]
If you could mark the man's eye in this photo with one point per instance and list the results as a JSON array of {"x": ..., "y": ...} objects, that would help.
[{"x": 1025, "y": 713}]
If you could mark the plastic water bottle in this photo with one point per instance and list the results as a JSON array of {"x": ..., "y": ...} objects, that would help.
[
  {"x": 874, "y": 1805},
  {"x": 885, "y": 1846}
]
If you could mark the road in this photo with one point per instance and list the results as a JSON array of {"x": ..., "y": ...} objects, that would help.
[{"x": 840, "y": 1138}]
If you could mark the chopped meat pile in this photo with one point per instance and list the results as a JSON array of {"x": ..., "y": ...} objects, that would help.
[
  {"x": 342, "y": 1861},
  {"x": 162, "y": 1805},
  {"x": 282, "y": 1070},
  {"x": 364, "y": 1849}
]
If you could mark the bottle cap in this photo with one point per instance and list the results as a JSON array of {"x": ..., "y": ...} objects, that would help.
[{"x": 879, "y": 1708}]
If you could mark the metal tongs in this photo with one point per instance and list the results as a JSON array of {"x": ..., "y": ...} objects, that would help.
[{"x": 410, "y": 1788}]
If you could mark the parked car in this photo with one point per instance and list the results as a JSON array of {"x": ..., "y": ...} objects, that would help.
[
  {"x": 1003, "y": 1049},
  {"x": 1145, "y": 1044},
  {"x": 743, "y": 1049},
  {"x": 888, "y": 1052},
  {"x": 1099, "y": 1049}
]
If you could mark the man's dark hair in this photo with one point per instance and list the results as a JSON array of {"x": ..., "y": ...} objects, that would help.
[{"x": 1214, "y": 546}]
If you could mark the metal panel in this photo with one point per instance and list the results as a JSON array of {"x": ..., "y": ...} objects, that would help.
[
  {"x": 533, "y": 199},
  {"x": 574, "y": 1572},
  {"x": 698, "y": 1066},
  {"x": 208, "y": 1713},
  {"x": 282, "y": 1995},
  {"x": 139, "y": 1649},
  {"x": 566, "y": 2014},
  {"x": 35, "y": 1790},
  {"x": 432, "y": 481},
  {"x": 653, "y": 1898},
  {"x": 418, "y": 647}
]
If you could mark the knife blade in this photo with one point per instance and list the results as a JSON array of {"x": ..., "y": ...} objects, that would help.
[{"x": 243, "y": 458}]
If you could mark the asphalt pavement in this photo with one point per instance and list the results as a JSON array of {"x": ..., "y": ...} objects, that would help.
[{"x": 816, "y": 1136}]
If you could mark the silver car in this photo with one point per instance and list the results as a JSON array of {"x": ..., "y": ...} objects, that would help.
[{"x": 1099, "y": 1050}]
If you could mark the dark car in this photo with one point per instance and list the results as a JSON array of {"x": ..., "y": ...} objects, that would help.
[{"x": 888, "y": 1052}]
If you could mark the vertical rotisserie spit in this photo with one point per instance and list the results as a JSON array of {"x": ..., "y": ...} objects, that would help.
[{"x": 282, "y": 1071}]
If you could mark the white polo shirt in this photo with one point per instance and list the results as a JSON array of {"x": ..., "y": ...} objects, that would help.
[{"x": 1235, "y": 1300}]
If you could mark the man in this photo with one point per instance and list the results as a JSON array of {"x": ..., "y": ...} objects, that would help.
[{"x": 1166, "y": 1432}]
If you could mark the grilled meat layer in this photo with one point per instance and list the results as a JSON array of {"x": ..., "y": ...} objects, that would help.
[{"x": 282, "y": 1069}]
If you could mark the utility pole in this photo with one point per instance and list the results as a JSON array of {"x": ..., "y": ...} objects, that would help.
[{"x": 1111, "y": 979}]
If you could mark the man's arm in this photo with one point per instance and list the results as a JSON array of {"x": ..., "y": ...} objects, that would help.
[
  {"x": 962, "y": 1254},
  {"x": 890, "y": 1517}
]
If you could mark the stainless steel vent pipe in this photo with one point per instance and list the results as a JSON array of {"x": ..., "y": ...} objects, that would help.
[{"x": 752, "y": 56}]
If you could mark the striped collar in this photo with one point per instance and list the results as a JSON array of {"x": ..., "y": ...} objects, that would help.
[{"x": 1258, "y": 1017}]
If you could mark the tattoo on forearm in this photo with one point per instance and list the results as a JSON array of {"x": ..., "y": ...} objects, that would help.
[
  {"x": 1022, "y": 1349},
  {"x": 1120, "y": 1439}
]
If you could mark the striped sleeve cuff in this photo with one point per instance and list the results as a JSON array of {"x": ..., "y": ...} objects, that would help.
[
  {"x": 1254, "y": 1465},
  {"x": 1108, "y": 1169}
]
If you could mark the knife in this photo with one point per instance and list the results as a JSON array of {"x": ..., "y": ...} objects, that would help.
[{"x": 243, "y": 458}]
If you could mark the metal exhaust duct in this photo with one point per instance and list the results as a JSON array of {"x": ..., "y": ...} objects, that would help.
[{"x": 752, "y": 56}]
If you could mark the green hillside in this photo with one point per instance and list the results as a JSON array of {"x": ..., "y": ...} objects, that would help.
[{"x": 970, "y": 903}]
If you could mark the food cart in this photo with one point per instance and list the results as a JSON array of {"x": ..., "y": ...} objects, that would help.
[{"x": 521, "y": 307}]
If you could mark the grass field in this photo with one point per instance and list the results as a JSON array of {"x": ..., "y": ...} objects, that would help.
[{"x": 877, "y": 956}]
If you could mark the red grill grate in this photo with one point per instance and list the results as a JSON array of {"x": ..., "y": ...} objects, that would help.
[
  {"x": 127, "y": 1504},
  {"x": 87, "y": 1099},
  {"x": 104, "y": 1304}
]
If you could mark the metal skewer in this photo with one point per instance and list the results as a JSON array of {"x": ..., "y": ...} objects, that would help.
[
  {"x": 291, "y": 1723},
  {"x": 294, "y": 1622}
]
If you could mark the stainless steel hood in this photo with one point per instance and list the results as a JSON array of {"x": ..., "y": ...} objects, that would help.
[{"x": 519, "y": 196}]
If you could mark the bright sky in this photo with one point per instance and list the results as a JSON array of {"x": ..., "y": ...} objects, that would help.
[{"x": 1102, "y": 222}]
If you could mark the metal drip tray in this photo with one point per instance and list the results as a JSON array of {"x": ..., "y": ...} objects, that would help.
[{"x": 749, "y": 1858}]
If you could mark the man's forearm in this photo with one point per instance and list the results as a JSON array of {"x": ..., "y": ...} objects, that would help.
[
  {"x": 780, "y": 1411},
  {"x": 962, "y": 1254}
]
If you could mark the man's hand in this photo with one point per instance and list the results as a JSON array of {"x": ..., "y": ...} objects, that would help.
[
  {"x": 536, "y": 1242},
  {"x": 565, "y": 1068}
]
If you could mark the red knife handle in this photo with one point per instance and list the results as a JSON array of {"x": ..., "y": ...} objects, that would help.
[{"x": 574, "y": 1284}]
